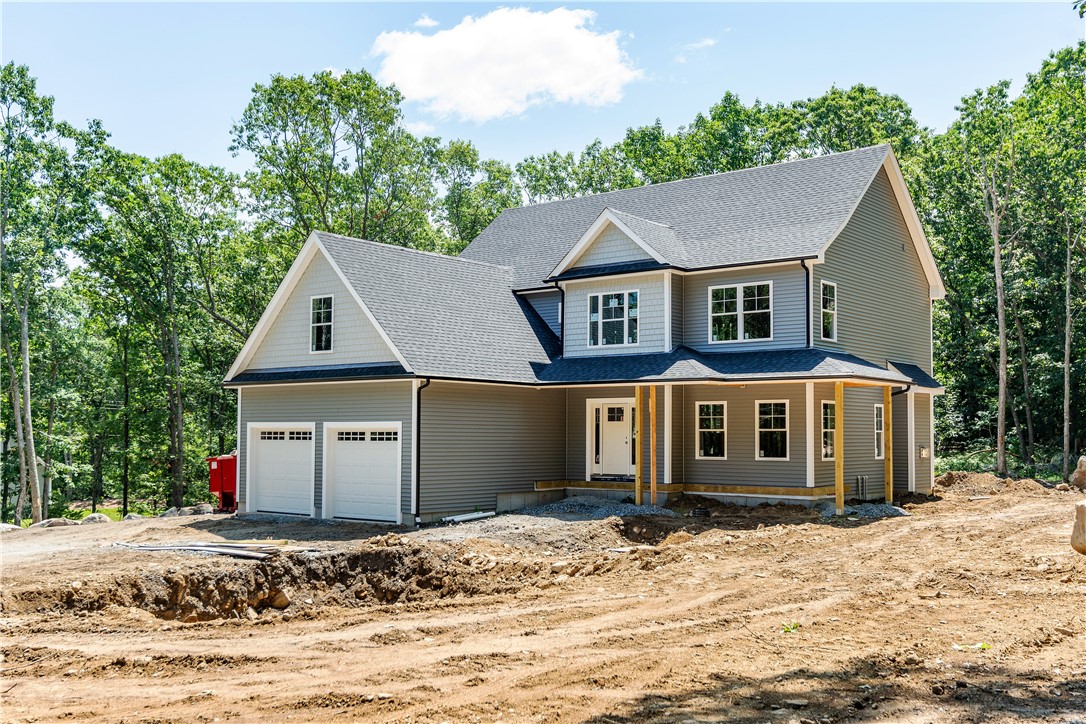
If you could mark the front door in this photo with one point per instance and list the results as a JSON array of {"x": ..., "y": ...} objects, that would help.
[{"x": 615, "y": 451}]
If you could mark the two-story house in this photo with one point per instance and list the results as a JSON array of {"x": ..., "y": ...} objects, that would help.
[{"x": 758, "y": 335}]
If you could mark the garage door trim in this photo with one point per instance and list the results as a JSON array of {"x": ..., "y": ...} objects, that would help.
[
  {"x": 250, "y": 497},
  {"x": 368, "y": 425}
]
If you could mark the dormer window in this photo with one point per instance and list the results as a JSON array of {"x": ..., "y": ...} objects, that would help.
[
  {"x": 612, "y": 319},
  {"x": 741, "y": 312},
  {"x": 320, "y": 324}
]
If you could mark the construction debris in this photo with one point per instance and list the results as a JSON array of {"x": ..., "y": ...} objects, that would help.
[
  {"x": 255, "y": 551},
  {"x": 1078, "y": 533}
]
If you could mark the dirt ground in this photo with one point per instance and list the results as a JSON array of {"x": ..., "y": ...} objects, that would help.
[{"x": 971, "y": 609}]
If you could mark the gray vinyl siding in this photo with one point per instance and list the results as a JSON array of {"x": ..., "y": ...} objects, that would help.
[
  {"x": 577, "y": 431},
  {"x": 548, "y": 306},
  {"x": 884, "y": 309},
  {"x": 789, "y": 321},
  {"x": 480, "y": 440},
  {"x": 860, "y": 443},
  {"x": 741, "y": 466},
  {"x": 901, "y": 445},
  {"x": 347, "y": 402},
  {"x": 287, "y": 343},
  {"x": 677, "y": 310},
  {"x": 922, "y": 421},
  {"x": 610, "y": 247},
  {"x": 650, "y": 314},
  {"x": 923, "y": 439}
]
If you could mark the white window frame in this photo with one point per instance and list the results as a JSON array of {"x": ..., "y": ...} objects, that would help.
[
  {"x": 880, "y": 432},
  {"x": 822, "y": 311},
  {"x": 331, "y": 324},
  {"x": 625, "y": 322},
  {"x": 787, "y": 432},
  {"x": 698, "y": 430},
  {"x": 739, "y": 313},
  {"x": 822, "y": 426}
]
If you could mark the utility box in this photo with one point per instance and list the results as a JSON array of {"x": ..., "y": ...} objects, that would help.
[{"x": 224, "y": 481}]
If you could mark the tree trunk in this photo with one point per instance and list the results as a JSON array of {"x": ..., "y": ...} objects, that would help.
[
  {"x": 47, "y": 482},
  {"x": 1027, "y": 452},
  {"x": 1067, "y": 363},
  {"x": 176, "y": 424},
  {"x": 16, "y": 412},
  {"x": 1001, "y": 314},
  {"x": 125, "y": 430}
]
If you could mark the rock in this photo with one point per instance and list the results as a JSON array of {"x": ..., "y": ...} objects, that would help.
[
  {"x": 95, "y": 518},
  {"x": 912, "y": 659},
  {"x": 9, "y": 526},
  {"x": 251, "y": 614},
  {"x": 383, "y": 697},
  {"x": 169, "y": 513},
  {"x": 185, "y": 511},
  {"x": 1078, "y": 534},
  {"x": 133, "y": 516},
  {"x": 202, "y": 509},
  {"x": 1063, "y": 487},
  {"x": 280, "y": 600},
  {"x": 1078, "y": 478},
  {"x": 55, "y": 523},
  {"x": 938, "y": 689},
  {"x": 797, "y": 703}
]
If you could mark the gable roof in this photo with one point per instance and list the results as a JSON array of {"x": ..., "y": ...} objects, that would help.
[{"x": 781, "y": 212}]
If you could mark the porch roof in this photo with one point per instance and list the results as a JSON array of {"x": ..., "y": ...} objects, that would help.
[
  {"x": 688, "y": 365},
  {"x": 320, "y": 373}
]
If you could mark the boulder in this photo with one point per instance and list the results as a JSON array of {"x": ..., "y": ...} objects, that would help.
[
  {"x": 8, "y": 526},
  {"x": 55, "y": 523},
  {"x": 1078, "y": 478},
  {"x": 202, "y": 509},
  {"x": 1078, "y": 533},
  {"x": 280, "y": 600},
  {"x": 169, "y": 513},
  {"x": 95, "y": 518},
  {"x": 133, "y": 516}
]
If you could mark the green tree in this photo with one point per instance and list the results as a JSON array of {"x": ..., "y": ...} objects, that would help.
[{"x": 475, "y": 193}]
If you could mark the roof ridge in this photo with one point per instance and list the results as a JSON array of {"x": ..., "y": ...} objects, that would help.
[
  {"x": 416, "y": 251},
  {"x": 642, "y": 218},
  {"x": 787, "y": 162}
]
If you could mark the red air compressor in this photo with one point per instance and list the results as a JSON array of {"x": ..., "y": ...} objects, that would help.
[{"x": 224, "y": 481}]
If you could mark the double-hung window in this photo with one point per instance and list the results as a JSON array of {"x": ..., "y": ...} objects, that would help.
[
  {"x": 712, "y": 430},
  {"x": 320, "y": 324},
  {"x": 772, "y": 426},
  {"x": 829, "y": 430},
  {"x": 612, "y": 318},
  {"x": 741, "y": 312},
  {"x": 880, "y": 432},
  {"x": 829, "y": 311}
]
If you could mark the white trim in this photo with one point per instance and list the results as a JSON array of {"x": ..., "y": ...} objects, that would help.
[
  {"x": 607, "y": 216},
  {"x": 931, "y": 431},
  {"x": 667, "y": 312},
  {"x": 243, "y": 483},
  {"x": 367, "y": 426},
  {"x": 746, "y": 267},
  {"x": 625, "y": 319},
  {"x": 936, "y": 290},
  {"x": 739, "y": 313},
  {"x": 590, "y": 404},
  {"x": 668, "y": 424},
  {"x": 332, "y": 324},
  {"x": 910, "y": 426},
  {"x": 415, "y": 383},
  {"x": 880, "y": 450},
  {"x": 809, "y": 404},
  {"x": 787, "y": 431},
  {"x": 822, "y": 430},
  {"x": 519, "y": 385},
  {"x": 250, "y": 499},
  {"x": 821, "y": 311},
  {"x": 697, "y": 429},
  {"x": 282, "y": 293}
]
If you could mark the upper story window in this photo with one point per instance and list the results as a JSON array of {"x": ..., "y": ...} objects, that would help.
[
  {"x": 741, "y": 312},
  {"x": 612, "y": 318},
  {"x": 829, "y": 311},
  {"x": 320, "y": 324}
]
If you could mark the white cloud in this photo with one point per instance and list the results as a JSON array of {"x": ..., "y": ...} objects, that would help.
[
  {"x": 502, "y": 63},
  {"x": 336, "y": 72},
  {"x": 420, "y": 128},
  {"x": 690, "y": 48},
  {"x": 426, "y": 22}
]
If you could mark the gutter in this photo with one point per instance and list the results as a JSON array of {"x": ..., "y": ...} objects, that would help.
[
  {"x": 807, "y": 296},
  {"x": 672, "y": 267},
  {"x": 418, "y": 449},
  {"x": 902, "y": 391}
]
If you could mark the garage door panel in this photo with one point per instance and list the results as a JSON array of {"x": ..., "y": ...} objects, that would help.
[
  {"x": 364, "y": 474},
  {"x": 282, "y": 470}
]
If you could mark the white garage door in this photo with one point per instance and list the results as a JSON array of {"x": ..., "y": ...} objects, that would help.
[
  {"x": 362, "y": 479},
  {"x": 281, "y": 469}
]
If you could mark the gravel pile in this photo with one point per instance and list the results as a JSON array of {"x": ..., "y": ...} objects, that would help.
[
  {"x": 865, "y": 510},
  {"x": 589, "y": 507}
]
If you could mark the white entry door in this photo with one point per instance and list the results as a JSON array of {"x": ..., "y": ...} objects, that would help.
[
  {"x": 362, "y": 473},
  {"x": 616, "y": 452},
  {"x": 280, "y": 477}
]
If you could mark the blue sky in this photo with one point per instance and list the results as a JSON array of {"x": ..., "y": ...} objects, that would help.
[{"x": 173, "y": 77}]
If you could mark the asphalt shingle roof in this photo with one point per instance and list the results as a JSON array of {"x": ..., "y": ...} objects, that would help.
[
  {"x": 769, "y": 213},
  {"x": 323, "y": 372},
  {"x": 448, "y": 317},
  {"x": 918, "y": 376}
]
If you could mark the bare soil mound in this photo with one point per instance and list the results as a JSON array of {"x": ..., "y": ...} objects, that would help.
[{"x": 978, "y": 484}]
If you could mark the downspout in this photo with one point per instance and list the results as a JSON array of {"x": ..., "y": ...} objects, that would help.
[
  {"x": 902, "y": 391},
  {"x": 418, "y": 449},
  {"x": 807, "y": 297},
  {"x": 562, "y": 319}
]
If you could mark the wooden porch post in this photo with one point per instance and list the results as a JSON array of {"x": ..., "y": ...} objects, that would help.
[
  {"x": 888, "y": 442},
  {"x": 652, "y": 445},
  {"x": 639, "y": 482},
  {"x": 839, "y": 445}
]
